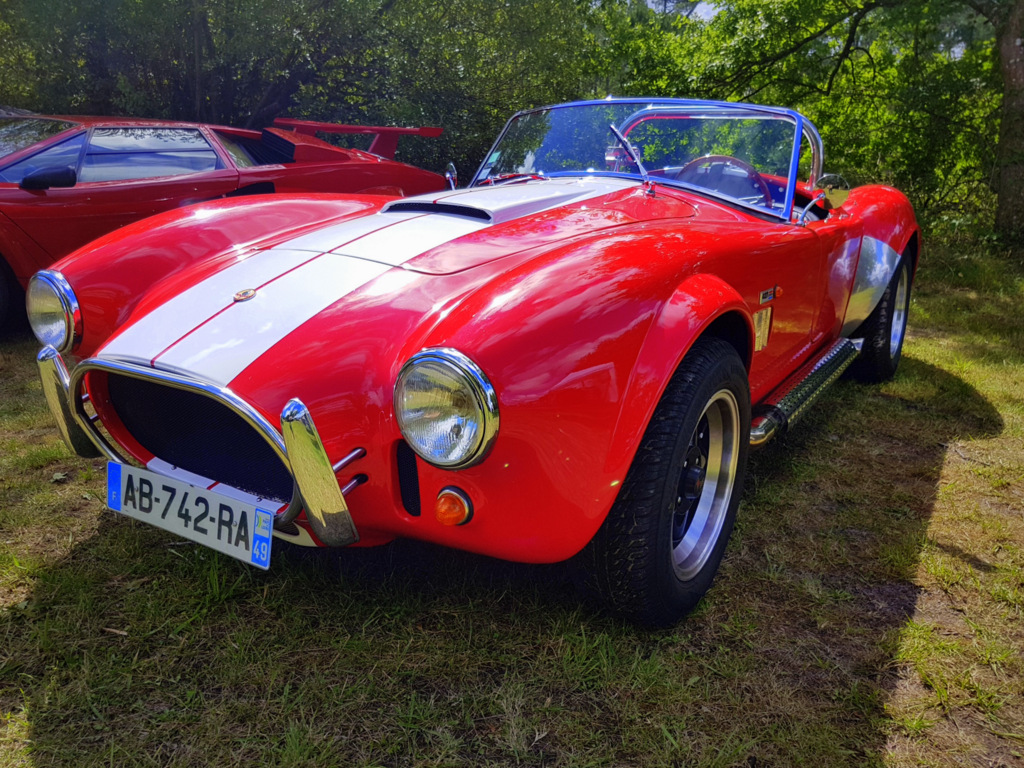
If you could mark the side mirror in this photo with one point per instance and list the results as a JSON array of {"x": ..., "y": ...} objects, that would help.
[
  {"x": 836, "y": 190},
  {"x": 451, "y": 175},
  {"x": 45, "y": 178}
]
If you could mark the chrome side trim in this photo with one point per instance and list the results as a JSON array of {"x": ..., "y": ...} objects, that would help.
[
  {"x": 875, "y": 268},
  {"x": 56, "y": 388},
  {"x": 796, "y": 394},
  {"x": 222, "y": 394},
  {"x": 323, "y": 500}
]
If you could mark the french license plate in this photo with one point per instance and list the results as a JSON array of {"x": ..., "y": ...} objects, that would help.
[{"x": 220, "y": 522}]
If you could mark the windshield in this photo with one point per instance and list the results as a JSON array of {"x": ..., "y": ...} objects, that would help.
[
  {"x": 16, "y": 133},
  {"x": 741, "y": 153}
]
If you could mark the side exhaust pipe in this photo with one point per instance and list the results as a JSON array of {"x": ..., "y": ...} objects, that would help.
[{"x": 795, "y": 395}]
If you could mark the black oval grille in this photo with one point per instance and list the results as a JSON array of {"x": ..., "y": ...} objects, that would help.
[{"x": 199, "y": 434}]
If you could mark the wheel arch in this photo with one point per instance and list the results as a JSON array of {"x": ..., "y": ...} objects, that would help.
[
  {"x": 912, "y": 250},
  {"x": 702, "y": 306}
]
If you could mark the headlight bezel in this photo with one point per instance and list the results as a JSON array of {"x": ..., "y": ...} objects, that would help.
[
  {"x": 72, "y": 311},
  {"x": 483, "y": 393}
]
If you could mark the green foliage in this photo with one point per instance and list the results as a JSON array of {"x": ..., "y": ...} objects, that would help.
[
  {"x": 16, "y": 59},
  {"x": 903, "y": 93},
  {"x": 906, "y": 93}
]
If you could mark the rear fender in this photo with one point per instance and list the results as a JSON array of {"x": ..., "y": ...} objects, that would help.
[
  {"x": 702, "y": 303},
  {"x": 890, "y": 229}
]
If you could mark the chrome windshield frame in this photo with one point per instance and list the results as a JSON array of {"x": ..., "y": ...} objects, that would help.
[{"x": 804, "y": 129}]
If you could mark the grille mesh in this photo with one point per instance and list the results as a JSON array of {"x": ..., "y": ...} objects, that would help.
[{"x": 199, "y": 434}]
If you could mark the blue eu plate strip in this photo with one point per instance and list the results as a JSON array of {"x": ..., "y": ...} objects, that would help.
[
  {"x": 261, "y": 538},
  {"x": 114, "y": 485}
]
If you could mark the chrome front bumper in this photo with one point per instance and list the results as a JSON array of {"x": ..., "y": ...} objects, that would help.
[{"x": 298, "y": 444}]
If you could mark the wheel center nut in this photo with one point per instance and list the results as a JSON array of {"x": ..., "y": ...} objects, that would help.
[{"x": 694, "y": 481}]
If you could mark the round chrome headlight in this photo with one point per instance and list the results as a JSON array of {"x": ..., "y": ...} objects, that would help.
[
  {"x": 447, "y": 409},
  {"x": 53, "y": 311}
]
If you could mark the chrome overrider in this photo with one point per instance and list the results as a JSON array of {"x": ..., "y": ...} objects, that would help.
[
  {"x": 299, "y": 448},
  {"x": 56, "y": 386},
  {"x": 794, "y": 396},
  {"x": 323, "y": 500}
]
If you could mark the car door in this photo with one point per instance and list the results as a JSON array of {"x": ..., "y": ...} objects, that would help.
[
  {"x": 780, "y": 277},
  {"x": 840, "y": 236},
  {"x": 125, "y": 173}
]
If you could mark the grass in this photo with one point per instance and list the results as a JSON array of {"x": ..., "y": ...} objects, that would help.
[{"x": 869, "y": 610}]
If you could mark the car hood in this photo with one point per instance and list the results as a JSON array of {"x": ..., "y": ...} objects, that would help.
[{"x": 215, "y": 327}]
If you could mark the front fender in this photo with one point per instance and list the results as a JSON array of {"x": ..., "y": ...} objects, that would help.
[
  {"x": 132, "y": 269},
  {"x": 698, "y": 302}
]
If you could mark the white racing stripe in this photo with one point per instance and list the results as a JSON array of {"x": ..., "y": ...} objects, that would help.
[
  {"x": 505, "y": 202},
  {"x": 202, "y": 333},
  {"x": 337, "y": 235},
  {"x": 398, "y": 244},
  {"x": 228, "y": 343},
  {"x": 140, "y": 342}
]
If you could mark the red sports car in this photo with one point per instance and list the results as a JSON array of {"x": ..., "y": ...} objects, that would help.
[
  {"x": 571, "y": 356},
  {"x": 67, "y": 180}
]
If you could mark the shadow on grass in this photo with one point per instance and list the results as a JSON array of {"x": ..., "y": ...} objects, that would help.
[{"x": 138, "y": 649}]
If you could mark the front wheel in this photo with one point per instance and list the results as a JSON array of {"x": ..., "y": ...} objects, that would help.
[{"x": 660, "y": 547}]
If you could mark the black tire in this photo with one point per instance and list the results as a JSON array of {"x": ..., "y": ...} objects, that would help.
[
  {"x": 884, "y": 330},
  {"x": 660, "y": 547},
  {"x": 12, "y": 299}
]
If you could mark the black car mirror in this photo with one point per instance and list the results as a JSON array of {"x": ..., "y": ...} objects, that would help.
[{"x": 45, "y": 178}]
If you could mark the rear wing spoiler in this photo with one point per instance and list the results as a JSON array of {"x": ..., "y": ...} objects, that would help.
[{"x": 385, "y": 138}]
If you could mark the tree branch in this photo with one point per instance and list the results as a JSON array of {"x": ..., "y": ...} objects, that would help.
[
  {"x": 851, "y": 38},
  {"x": 751, "y": 69},
  {"x": 990, "y": 9}
]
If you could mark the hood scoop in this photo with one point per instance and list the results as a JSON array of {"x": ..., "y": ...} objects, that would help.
[
  {"x": 448, "y": 208},
  {"x": 501, "y": 203}
]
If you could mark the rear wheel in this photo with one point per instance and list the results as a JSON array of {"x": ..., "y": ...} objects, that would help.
[
  {"x": 659, "y": 549},
  {"x": 884, "y": 330}
]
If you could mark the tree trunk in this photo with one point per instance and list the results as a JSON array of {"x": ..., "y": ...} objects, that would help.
[{"x": 1010, "y": 152}]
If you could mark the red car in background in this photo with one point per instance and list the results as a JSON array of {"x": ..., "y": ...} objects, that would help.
[{"x": 65, "y": 181}]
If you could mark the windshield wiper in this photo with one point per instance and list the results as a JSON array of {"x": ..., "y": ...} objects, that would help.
[{"x": 635, "y": 156}]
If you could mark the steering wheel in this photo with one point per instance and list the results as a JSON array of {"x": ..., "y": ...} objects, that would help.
[{"x": 708, "y": 171}]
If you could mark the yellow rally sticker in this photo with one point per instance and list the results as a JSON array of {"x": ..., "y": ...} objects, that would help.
[{"x": 762, "y": 327}]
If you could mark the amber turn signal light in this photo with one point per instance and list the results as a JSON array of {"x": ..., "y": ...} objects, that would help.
[{"x": 453, "y": 507}]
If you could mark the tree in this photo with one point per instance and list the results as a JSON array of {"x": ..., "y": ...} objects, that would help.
[
  {"x": 1007, "y": 18},
  {"x": 904, "y": 92}
]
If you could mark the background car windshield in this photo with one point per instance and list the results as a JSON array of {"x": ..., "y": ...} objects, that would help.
[
  {"x": 667, "y": 136},
  {"x": 19, "y": 132}
]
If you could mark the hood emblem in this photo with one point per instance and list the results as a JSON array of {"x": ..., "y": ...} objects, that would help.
[{"x": 245, "y": 295}]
